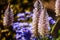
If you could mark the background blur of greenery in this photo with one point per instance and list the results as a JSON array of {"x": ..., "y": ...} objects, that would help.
[{"x": 23, "y": 5}]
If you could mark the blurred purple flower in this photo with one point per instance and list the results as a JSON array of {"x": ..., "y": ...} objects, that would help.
[
  {"x": 15, "y": 25},
  {"x": 51, "y": 20},
  {"x": 21, "y": 15},
  {"x": 21, "y": 19},
  {"x": 24, "y": 32},
  {"x": 18, "y": 36},
  {"x": 31, "y": 14},
  {"x": 25, "y": 24},
  {"x": 19, "y": 31},
  {"x": 27, "y": 33},
  {"x": 30, "y": 24},
  {"x": 21, "y": 24},
  {"x": 28, "y": 16}
]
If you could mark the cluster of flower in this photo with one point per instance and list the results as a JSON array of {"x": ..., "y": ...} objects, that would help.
[
  {"x": 24, "y": 16},
  {"x": 23, "y": 29}
]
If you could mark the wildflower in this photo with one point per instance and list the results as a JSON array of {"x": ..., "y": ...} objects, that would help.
[
  {"x": 18, "y": 36},
  {"x": 43, "y": 24},
  {"x": 51, "y": 20},
  {"x": 25, "y": 24},
  {"x": 57, "y": 7},
  {"x": 27, "y": 33},
  {"x": 36, "y": 13},
  {"x": 21, "y": 19},
  {"x": 8, "y": 17},
  {"x": 21, "y": 15}
]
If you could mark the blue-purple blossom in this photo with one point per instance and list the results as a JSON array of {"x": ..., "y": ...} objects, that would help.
[
  {"x": 25, "y": 24},
  {"x": 23, "y": 33},
  {"x": 28, "y": 16},
  {"x": 18, "y": 36},
  {"x": 50, "y": 37},
  {"x": 51, "y": 20},
  {"x": 31, "y": 14},
  {"x": 21, "y": 24},
  {"x": 15, "y": 25},
  {"x": 21, "y": 19},
  {"x": 27, "y": 33},
  {"x": 19, "y": 31},
  {"x": 30, "y": 24},
  {"x": 21, "y": 15}
]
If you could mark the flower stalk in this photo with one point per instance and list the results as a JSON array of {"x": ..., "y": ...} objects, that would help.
[
  {"x": 36, "y": 13},
  {"x": 57, "y": 7},
  {"x": 8, "y": 16}
]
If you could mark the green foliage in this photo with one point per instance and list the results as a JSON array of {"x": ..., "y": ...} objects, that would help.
[{"x": 59, "y": 32}]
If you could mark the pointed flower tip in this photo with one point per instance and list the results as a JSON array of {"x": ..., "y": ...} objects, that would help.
[
  {"x": 38, "y": 4},
  {"x": 8, "y": 17}
]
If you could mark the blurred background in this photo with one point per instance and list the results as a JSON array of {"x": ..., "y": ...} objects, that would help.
[{"x": 24, "y": 9}]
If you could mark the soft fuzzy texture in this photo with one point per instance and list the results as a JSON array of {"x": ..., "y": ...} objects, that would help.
[
  {"x": 8, "y": 17},
  {"x": 43, "y": 24},
  {"x": 36, "y": 13},
  {"x": 40, "y": 20},
  {"x": 57, "y": 7}
]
